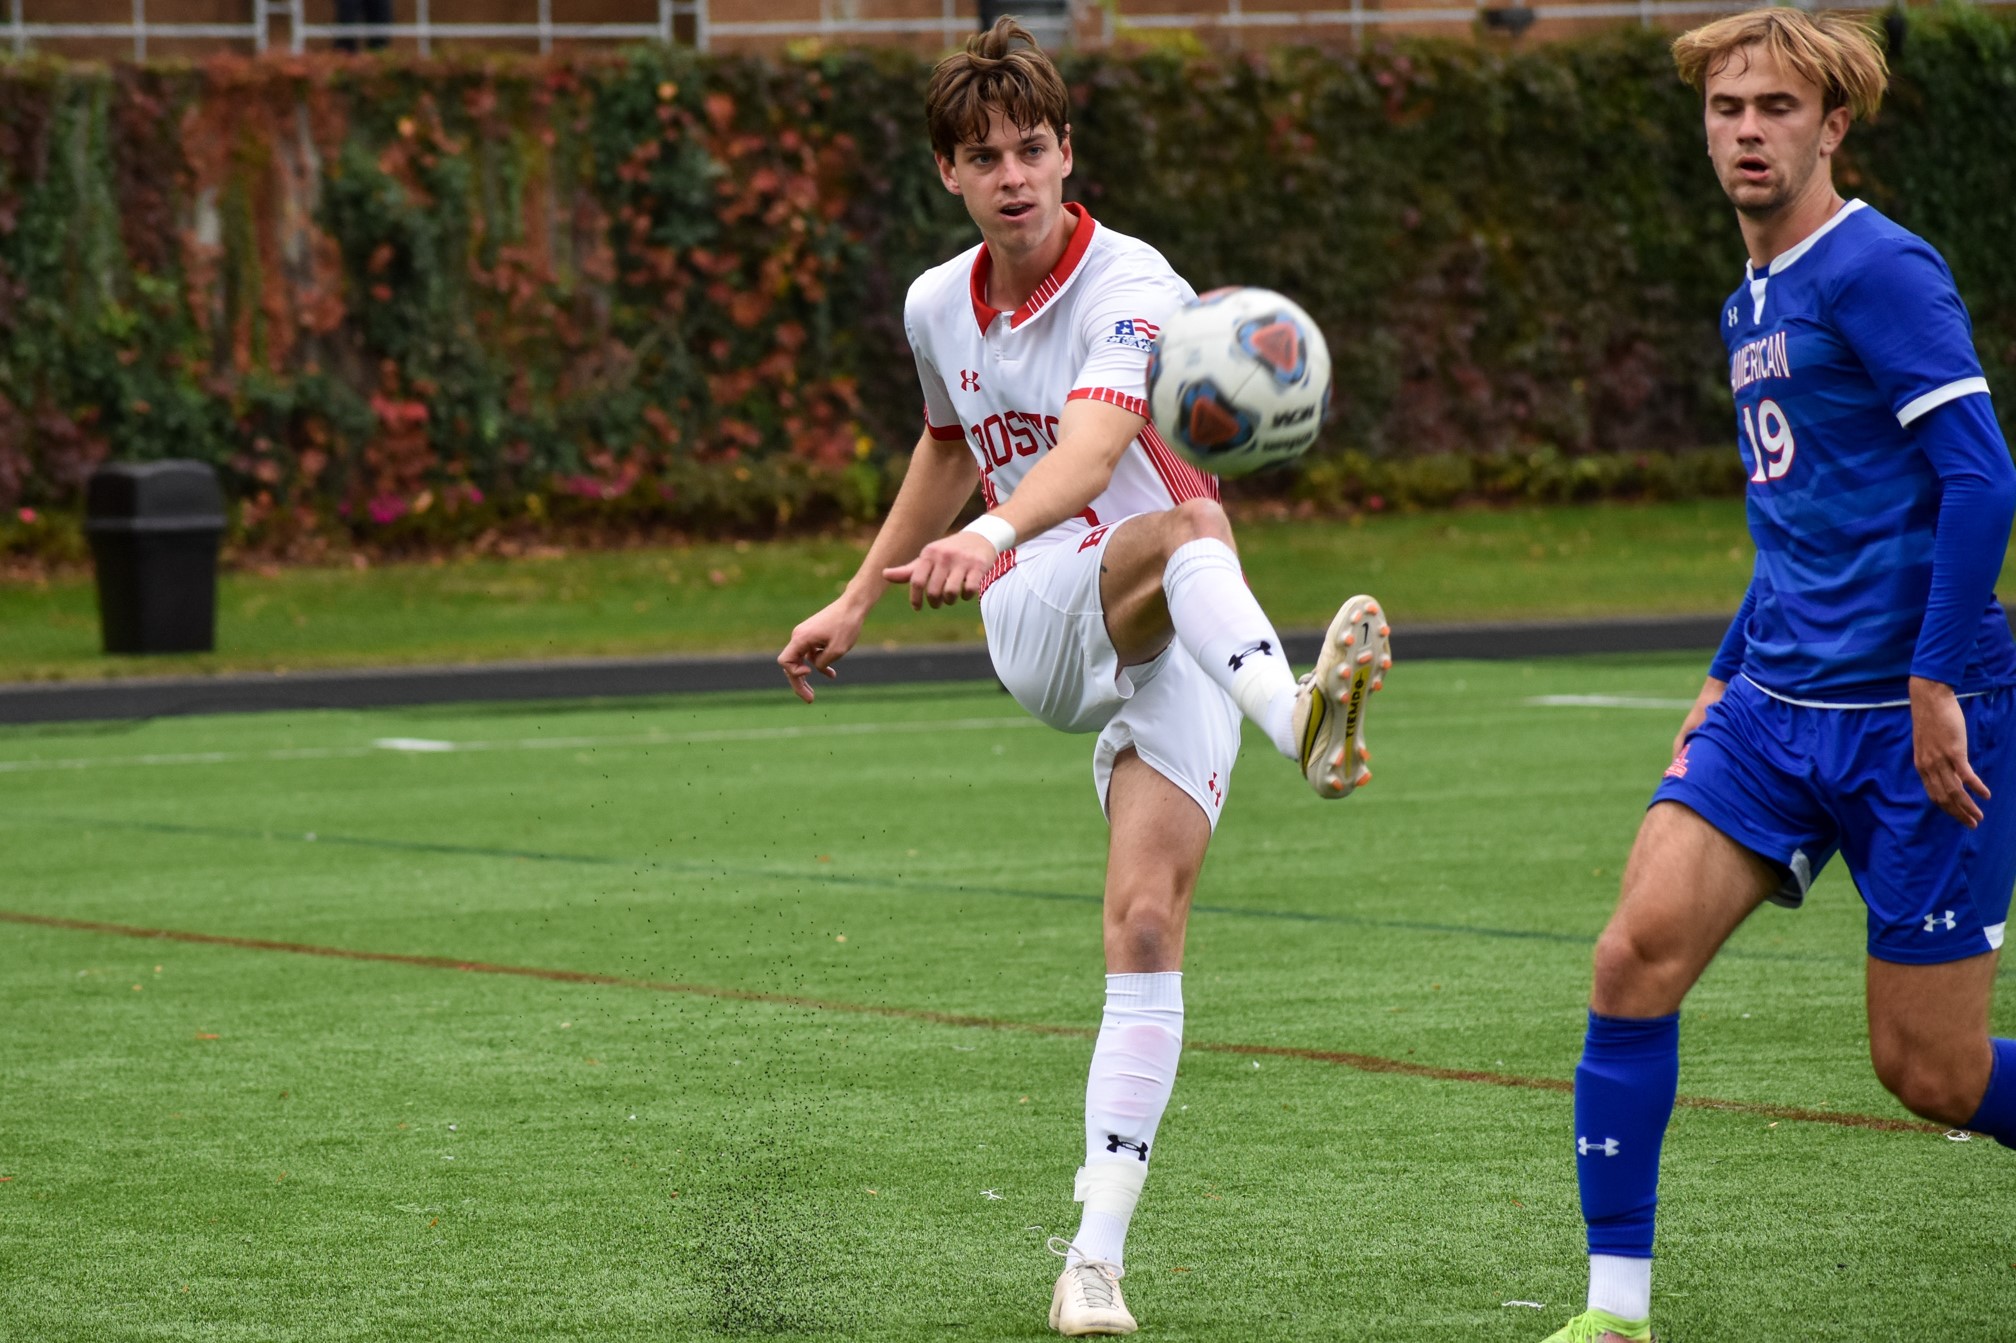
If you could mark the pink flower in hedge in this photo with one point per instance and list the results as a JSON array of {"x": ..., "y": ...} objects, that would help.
[
  {"x": 29, "y": 516},
  {"x": 387, "y": 508},
  {"x": 473, "y": 495}
]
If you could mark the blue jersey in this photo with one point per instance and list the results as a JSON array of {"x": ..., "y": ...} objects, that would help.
[{"x": 1835, "y": 351}]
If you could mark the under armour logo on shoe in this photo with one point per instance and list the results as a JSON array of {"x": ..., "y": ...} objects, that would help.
[
  {"x": 1261, "y": 649},
  {"x": 1114, "y": 1143},
  {"x": 1608, "y": 1147},
  {"x": 1934, "y": 922}
]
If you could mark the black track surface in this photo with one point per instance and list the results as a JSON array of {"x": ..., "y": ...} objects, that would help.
[{"x": 148, "y": 697}]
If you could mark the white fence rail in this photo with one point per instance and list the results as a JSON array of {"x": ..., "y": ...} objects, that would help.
[{"x": 282, "y": 24}]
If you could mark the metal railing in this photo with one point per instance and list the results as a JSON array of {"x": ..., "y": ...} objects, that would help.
[
  {"x": 835, "y": 22},
  {"x": 258, "y": 30}
]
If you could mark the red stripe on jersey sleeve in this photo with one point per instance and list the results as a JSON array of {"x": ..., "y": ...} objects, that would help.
[
  {"x": 1182, "y": 480},
  {"x": 943, "y": 433},
  {"x": 1112, "y": 398},
  {"x": 1001, "y": 566}
]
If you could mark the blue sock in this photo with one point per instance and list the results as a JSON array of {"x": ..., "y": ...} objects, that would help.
[
  {"x": 1624, "y": 1089},
  {"x": 1996, "y": 1116}
]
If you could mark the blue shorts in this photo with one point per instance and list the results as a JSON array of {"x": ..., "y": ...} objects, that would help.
[{"x": 1795, "y": 784}]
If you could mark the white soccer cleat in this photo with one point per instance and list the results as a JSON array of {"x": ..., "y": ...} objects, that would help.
[
  {"x": 1329, "y": 720},
  {"x": 1087, "y": 1298}
]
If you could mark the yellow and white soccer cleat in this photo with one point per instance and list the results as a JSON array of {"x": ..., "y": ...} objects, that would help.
[
  {"x": 1329, "y": 719},
  {"x": 1087, "y": 1297}
]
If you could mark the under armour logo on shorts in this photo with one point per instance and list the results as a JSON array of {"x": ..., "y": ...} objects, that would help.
[{"x": 1934, "y": 922}]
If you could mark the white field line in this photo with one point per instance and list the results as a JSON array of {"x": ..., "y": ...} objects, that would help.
[
  {"x": 1605, "y": 702},
  {"x": 431, "y": 746}
]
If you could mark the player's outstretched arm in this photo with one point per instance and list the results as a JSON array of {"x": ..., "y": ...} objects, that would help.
[
  {"x": 934, "y": 489},
  {"x": 1977, "y": 502},
  {"x": 1727, "y": 662},
  {"x": 1091, "y": 435}
]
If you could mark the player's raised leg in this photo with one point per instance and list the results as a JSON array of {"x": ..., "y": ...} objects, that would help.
[
  {"x": 1156, "y": 852},
  {"x": 1176, "y": 574},
  {"x": 1686, "y": 888},
  {"x": 1928, "y": 1037}
]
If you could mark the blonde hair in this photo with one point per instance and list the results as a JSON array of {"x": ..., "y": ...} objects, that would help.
[
  {"x": 994, "y": 74},
  {"x": 1836, "y": 53}
]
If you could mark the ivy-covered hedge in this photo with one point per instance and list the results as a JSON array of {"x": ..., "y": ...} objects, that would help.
[{"x": 403, "y": 301}]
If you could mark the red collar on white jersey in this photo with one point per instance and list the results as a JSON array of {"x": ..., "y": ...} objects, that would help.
[{"x": 983, "y": 268}]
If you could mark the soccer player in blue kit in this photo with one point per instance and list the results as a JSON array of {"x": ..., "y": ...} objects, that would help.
[{"x": 1864, "y": 699}]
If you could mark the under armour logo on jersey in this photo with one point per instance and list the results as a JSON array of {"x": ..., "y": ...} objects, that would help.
[
  {"x": 1114, "y": 1142},
  {"x": 1732, "y": 316},
  {"x": 1261, "y": 649},
  {"x": 969, "y": 380},
  {"x": 1935, "y": 922},
  {"x": 1608, "y": 1147}
]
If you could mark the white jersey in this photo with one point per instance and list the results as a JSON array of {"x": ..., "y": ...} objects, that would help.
[{"x": 1000, "y": 380}]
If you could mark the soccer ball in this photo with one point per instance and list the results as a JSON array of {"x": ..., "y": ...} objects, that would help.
[{"x": 1239, "y": 380}]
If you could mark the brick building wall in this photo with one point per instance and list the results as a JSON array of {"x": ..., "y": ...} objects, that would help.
[{"x": 937, "y": 23}]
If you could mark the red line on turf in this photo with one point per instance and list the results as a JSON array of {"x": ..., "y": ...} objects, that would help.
[{"x": 1370, "y": 1063}]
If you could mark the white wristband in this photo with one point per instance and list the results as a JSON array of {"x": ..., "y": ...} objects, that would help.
[{"x": 997, "y": 530}]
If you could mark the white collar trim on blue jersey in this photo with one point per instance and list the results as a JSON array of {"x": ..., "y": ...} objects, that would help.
[{"x": 1785, "y": 259}]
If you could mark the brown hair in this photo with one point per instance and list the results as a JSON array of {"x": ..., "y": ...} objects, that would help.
[
  {"x": 1836, "y": 53},
  {"x": 994, "y": 74}
]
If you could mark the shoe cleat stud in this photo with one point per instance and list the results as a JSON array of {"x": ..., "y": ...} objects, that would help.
[
  {"x": 1371, "y": 608},
  {"x": 1365, "y": 754},
  {"x": 1385, "y": 663},
  {"x": 1350, "y": 639},
  {"x": 1364, "y": 657},
  {"x": 1337, "y": 761},
  {"x": 1385, "y": 630}
]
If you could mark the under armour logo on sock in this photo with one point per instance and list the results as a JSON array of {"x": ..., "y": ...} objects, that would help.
[
  {"x": 1934, "y": 922},
  {"x": 1608, "y": 1147},
  {"x": 1262, "y": 649},
  {"x": 1114, "y": 1143}
]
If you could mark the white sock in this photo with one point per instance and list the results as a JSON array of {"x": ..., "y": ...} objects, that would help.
[
  {"x": 1133, "y": 1072},
  {"x": 1621, "y": 1286},
  {"x": 1219, "y": 623}
]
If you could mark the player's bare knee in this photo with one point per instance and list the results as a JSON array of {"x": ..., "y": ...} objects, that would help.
[
  {"x": 1198, "y": 520},
  {"x": 1927, "y": 1087},
  {"x": 1146, "y": 933},
  {"x": 1636, "y": 976},
  {"x": 1621, "y": 960}
]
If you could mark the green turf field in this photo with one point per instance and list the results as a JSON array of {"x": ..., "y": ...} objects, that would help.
[
  {"x": 742, "y": 597},
  {"x": 799, "y": 1048}
]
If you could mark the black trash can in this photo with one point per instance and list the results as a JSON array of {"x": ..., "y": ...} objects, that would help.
[{"x": 154, "y": 528}]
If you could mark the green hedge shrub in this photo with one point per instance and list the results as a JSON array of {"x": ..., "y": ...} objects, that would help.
[{"x": 403, "y": 302}]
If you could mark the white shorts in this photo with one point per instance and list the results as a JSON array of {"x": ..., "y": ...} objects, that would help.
[{"x": 1046, "y": 633}]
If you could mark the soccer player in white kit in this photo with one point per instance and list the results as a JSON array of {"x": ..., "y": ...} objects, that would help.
[{"x": 1110, "y": 592}]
